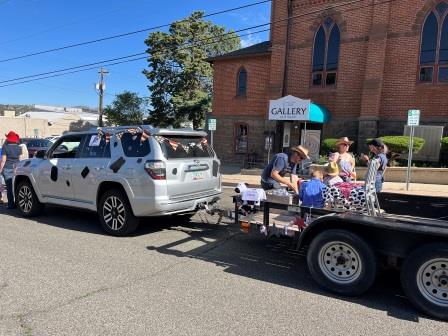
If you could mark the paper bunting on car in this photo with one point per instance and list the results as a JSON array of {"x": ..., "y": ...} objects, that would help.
[
  {"x": 145, "y": 136},
  {"x": 119, "y": 135},
  {"x": 173, "y": 144},
  {"x": 186, "y": 148},
  {"x": 107, "y": 138},
  {"x": 159, "y": 139}
]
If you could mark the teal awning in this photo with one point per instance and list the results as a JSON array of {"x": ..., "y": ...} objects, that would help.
[{"x": 319, "y": 114}]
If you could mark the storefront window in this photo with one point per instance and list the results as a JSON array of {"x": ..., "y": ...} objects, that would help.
[{"x": 241, "y": 138}]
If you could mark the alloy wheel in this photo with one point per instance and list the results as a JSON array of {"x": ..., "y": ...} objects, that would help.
[
  {"x": 25, "y": 199},
  {"x": 114, "y": 213}
]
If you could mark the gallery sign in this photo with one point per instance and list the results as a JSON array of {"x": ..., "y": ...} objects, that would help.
[{"x": 289, "y": 108}]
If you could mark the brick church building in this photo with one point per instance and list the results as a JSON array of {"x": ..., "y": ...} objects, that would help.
[{"x": 366, "y": 62}]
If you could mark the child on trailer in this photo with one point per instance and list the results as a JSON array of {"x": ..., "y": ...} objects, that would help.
[{"x": 311, "y": 192}]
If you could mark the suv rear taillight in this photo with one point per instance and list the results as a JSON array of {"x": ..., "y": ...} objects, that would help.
[{"x": 156, "y": 169}]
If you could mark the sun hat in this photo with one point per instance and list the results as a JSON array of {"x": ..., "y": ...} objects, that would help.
[
  {"x": 332, "y": 169},
  {"x": 377, "y": 142},
  {"x": 344, "y": 140},
  {"x": 12, "y": 137},
  {"x": 301, "y": 150}
]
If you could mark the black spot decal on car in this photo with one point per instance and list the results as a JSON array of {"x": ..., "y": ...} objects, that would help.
[
  {"x": 139, "y": 160},
  {"x": 68, "y": 183},
  {"x": 85, "y": 172},
  {"x": 54, "y": 173},
  {"x": 115, "y": 144},
  {"x": 115, "y": 167}
]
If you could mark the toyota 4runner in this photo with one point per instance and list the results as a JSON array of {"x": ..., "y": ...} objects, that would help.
[{"x": 122, "y": 173}]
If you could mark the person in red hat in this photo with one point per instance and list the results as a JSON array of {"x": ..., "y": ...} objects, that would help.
[{"x": 10, "y": 157}]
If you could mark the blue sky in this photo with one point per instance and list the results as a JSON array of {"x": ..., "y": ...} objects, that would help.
[{"x": 29, "y": 26}]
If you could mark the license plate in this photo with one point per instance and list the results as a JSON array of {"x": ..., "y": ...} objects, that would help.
[{"x": 198, "y": 176}]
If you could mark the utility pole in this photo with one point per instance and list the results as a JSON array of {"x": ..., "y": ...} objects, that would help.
[{"x": 101, "y": 86}]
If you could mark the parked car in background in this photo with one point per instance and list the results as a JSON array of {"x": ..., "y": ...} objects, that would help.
[
  {"x": 53, "y": 138},
  {"x": 35, "y": 144}
]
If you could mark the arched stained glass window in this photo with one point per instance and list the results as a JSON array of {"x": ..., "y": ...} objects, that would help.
[
  {"x": 319, "y": 50},
  {"x": 242, "y": 82},
  {"x": 326, "y": 54},
  {"x": 434, "y": 45}
]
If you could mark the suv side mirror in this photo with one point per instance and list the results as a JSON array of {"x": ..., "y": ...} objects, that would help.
[{"x": 40, "y": 154}]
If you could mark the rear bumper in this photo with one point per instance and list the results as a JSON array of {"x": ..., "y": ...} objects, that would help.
[{"x": 144, "y": 207}]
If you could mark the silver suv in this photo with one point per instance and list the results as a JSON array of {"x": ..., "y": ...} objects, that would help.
[{"x": 122, "y": 173}]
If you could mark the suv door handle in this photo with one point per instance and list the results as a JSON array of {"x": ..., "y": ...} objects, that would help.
[
  {"x": 99, "y": 168},
  {"x": 68, "y": 167}
]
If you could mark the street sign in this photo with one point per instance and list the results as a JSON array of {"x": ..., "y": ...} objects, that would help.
[
  {"x": 413, "y": 120},
  {"x": 212, "y": 124},
  {"x": 413, "y": 117}
]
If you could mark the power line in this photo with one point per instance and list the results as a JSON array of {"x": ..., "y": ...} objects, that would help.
[
  {"x": 95, "y": 67},
  {"x": 126, "y": 34},
  {"x": 72, "y": 68},
  {"x": 129, "y": 56},
  {"x": 132, "y": 60}
]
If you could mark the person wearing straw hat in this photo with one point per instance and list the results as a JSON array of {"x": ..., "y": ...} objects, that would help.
[
  {"x": 331, "y": 172},
  {"x": 273, "y": 175},
  {"x": 11, "y": 153},
  {"x": 345, "y": 160}
]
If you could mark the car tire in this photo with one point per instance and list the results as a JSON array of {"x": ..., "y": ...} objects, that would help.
[
  {"x": 424, "y": 277},
  {"x": 116, "y": 214},
  {"x": 26, "y": 200},
  {"x": 342, "y": 262}
]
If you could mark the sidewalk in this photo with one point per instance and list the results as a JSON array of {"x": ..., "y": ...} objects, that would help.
[{"x": 231, "y": 178}]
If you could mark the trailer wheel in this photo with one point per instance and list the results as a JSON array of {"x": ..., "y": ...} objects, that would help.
[
  {"x": 342, "y": 262},
  {"x": 424, "y": 278}
]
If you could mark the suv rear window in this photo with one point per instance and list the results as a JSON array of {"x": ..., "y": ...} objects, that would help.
[
  {"x": 179, "y": 147},
  {"x": 133, "y": 147}
]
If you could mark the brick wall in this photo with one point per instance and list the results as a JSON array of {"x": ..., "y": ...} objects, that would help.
[{"x": 377, "y": 71}]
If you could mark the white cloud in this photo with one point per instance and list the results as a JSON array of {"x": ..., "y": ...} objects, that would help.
[{"x": 249, "y": 40}]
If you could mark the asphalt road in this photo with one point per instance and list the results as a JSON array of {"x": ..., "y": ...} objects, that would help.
[{"x": 60, "y": 275}]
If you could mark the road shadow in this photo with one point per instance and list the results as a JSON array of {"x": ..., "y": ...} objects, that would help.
[
  {"x": 275, "y": 261},
  {"x": 88, "y": 222}
]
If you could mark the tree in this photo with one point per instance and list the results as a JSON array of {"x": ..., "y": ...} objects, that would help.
[
  {"x": 127, "y": 109},
  {"x": 179, "y": 74}
]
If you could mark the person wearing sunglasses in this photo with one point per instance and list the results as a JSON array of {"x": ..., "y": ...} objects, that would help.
[
  {"x": 273, "y": 175},
  {"x": 344, "y": 159}
]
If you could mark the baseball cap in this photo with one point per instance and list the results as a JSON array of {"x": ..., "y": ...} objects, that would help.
[{"x": 377, "y": 142}]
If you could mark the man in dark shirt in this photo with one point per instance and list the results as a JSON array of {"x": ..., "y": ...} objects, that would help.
[
  {"x": 10, "y": 157},
  {"x": 274, "y": 173}
]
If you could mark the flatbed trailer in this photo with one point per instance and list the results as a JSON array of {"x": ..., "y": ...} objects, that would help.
[{"x": 344, "y": 250}]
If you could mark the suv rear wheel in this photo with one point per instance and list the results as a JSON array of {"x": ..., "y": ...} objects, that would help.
[{"x": 115, "y": 213}]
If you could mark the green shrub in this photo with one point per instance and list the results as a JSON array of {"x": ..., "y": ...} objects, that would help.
[
  {"x": 444, "y": 148},
  {"x": 399, "y": 143},
  {"x": 328, "y": 146},
  {"x": 323, "y": 159}
]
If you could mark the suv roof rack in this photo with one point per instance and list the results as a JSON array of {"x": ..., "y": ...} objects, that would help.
[{"x": 153, "y": 130}]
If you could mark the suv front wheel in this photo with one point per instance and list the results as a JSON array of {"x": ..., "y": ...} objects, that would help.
[
  {"x": 27, "y": 201},
  {"x": 116, "y": 214}
]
